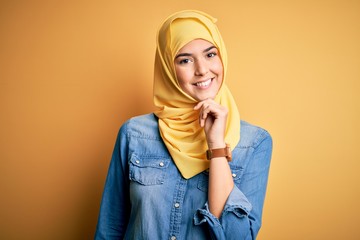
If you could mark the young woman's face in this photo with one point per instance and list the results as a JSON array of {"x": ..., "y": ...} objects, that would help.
[{"x": 199, "y": 69}]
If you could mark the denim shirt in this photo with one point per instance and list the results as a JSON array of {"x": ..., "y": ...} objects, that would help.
[{"x": 145, "y": 196}]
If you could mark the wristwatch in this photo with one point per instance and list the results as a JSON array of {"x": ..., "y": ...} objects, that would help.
[{"x": 219, "y": 152}]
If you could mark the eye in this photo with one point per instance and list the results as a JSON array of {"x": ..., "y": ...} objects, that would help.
[
  {"x": 211, "y": 54},
  {"x": 184, "y": 61}
]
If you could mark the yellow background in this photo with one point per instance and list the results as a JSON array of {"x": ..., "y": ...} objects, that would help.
[{"x": 72, "y": 72}]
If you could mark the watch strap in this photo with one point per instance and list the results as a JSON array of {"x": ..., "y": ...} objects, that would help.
[{"x": 219, "y": 152}]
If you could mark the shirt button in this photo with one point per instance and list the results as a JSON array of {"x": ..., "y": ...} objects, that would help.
[
  {"x": 137, "y": 161},
  {"x": 173, "y": 238},
  {"x": 161, "y": 164},
  {"x": 233, "y": 175},
  {"x": 176, "y": 205}
]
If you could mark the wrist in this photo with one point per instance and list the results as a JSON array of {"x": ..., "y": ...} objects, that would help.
[{"x": 213, "y": 145}]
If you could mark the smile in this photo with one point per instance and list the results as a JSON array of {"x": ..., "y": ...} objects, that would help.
[{"x": 203, "y": 84}]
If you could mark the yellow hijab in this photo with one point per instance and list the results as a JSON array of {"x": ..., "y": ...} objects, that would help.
[{"x": 178, "y": 121}]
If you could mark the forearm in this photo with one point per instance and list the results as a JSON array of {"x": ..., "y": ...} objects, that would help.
[
  {"x": 220, "y": 185},
  {"x": 242, "y": 213},
  {"x": 213, "y": 117}
]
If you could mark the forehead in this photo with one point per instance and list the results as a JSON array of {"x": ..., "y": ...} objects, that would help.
[{"x": 196, "y": 45}]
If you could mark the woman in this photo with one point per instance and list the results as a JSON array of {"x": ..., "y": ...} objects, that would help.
[{"x": 172, "y": 175}]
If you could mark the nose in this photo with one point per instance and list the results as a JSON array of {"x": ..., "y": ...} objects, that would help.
[{"x": 201, "y": 67}]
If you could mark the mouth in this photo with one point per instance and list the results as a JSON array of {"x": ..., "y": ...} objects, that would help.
[{"x": 203, "y": 84}]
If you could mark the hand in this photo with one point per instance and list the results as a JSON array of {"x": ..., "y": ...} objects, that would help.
[{"x": 213, "y": 116}]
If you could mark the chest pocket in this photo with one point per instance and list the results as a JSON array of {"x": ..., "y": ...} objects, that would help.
[
  {"x": 148, "y": 170},
  {"x": 236, "y": 173}
]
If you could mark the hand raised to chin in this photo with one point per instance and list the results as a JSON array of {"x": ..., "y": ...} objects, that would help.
[{"x": 213, "y": 117}]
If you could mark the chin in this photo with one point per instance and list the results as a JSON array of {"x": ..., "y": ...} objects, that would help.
[{"x": 201, "y": 98}]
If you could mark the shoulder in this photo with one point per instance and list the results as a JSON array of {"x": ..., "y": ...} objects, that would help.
[
  {"x": 143, "y": 126},
  {"x": 253, "y": 136}
]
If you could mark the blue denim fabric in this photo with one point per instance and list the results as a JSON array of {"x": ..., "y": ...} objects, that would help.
[{"x": 145, "y": 197}]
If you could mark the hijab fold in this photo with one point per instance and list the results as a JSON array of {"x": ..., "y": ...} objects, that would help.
[{"x": 178, "y": 121}]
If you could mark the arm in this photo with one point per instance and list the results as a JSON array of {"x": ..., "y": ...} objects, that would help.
[
  {"x": 241, "y": 217},
  {"x": 220, "y": 185},
  {"x": 233, "y": 211},
  {"x": 213, "y": 118},
  {"x": 113, "y": 217},
  {"x": 252, "y": 187}
]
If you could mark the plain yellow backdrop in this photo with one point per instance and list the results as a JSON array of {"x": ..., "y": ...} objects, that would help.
[{"x": 71, "y": 72}]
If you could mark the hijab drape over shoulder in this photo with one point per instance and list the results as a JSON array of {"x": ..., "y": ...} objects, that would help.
[{"x": 178, "y": 121}]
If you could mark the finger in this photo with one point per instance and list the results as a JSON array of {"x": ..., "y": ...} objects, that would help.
[
  {"x": 203, "y": 115},
  {"x": 202, "y": 122},
  {"x": 211, "y": 109},
  {"x": 198, "y": 105},
  {"x": 205, "y": 111},
  {"x": 201, "y": 103}
]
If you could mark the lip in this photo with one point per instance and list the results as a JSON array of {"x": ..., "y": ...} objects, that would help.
[{"x": 204, "y": 84}]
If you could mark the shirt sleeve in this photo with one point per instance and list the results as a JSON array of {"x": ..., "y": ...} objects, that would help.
[
  {"x": 114, "y": 210},
  {"x": 241, "y": 217}
]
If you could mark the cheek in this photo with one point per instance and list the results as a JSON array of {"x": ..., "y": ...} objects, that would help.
[
  {"x": 218, "y": 68},
  {"x": 182, "y": 75}
]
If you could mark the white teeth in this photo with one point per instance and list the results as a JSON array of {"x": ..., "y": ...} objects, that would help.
[{"x": 204, "y": 84}]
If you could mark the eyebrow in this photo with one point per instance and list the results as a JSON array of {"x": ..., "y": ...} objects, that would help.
[{"x": 189, "y": 54}]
